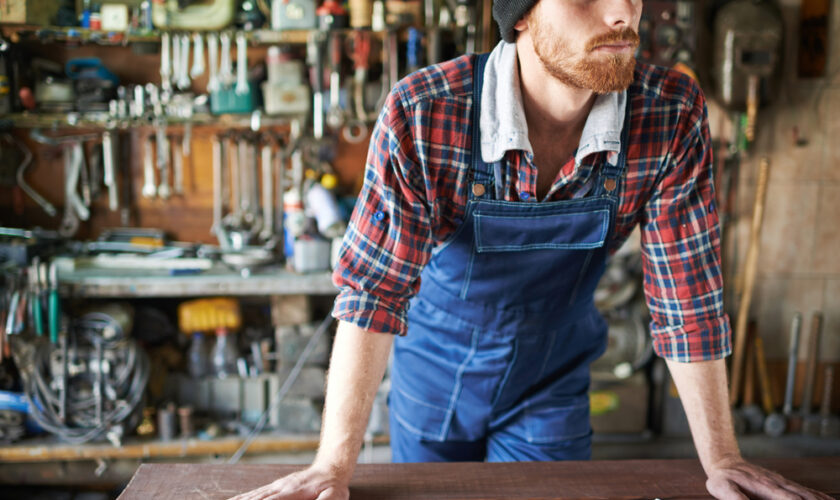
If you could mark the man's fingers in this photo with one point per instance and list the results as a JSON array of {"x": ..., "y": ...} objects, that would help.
[{"x": 724, "y": 489}]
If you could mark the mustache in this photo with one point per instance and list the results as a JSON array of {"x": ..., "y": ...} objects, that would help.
[{"x": 624, "y": 35}]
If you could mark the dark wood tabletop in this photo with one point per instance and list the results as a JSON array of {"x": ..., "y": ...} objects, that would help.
[{"x": 619, "y": 479}]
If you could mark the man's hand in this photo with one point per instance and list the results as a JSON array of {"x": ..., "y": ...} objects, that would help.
[
  {"x": 308, "y": 484},
  {"x": 738, "y": 479}
]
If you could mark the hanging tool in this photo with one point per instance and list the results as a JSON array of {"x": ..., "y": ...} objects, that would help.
[
  {"x": 138, "y": 108},
  {"x": 184, "y": 80},
  {"x": 176, "y": 59},
  {"x": 48, "y": 207},
  {"x": 35, "y": 289},
  {"x": 810, "y": 421},
  {"x": 776, "y": 424},
  {"x": 178, "y": 167},
  {"x": 241, "y": 64},
  {"x": 226, "y": 77},
  {"x": 315, "y": 58},
  {"x": 165, "y": 62},
  {"x": 109, "y": 177},
  {"x": 54, "y": 304},
  {"x": 829, "y": 424},
  {"x": 212, "y": 62},
  {"x": 267, "y": 190},
  {"x": 433, "y": 49},
  {"x": 335, "y": 114},
  {"x": 74, "y": 207},
  {"x": 198, "y": 56},
  {"x": 149, "y": 186},
  {"x": 750, "y": 268},
  {"x": 465, "y": 19},
  {"x": 218, "y": 205},
  {"x": 162, "y": 143}
]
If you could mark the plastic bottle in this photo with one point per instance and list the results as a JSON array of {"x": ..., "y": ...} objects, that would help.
[
  {"x": 224, "y": 354},
  {"x": 197, "y": 362}
]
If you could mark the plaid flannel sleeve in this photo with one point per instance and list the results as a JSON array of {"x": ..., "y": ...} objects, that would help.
[
  {"x": 389, "y": 238},
  {"x": 681, "y": 248}
]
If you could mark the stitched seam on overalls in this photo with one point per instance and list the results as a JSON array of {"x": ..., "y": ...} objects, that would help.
[
  {"x": 420, "y": 402},
  {"x": 468, "y": 273},
  {"x": 456, "y": 390},
  {"x": 506, "y": 376},
  {"x": 448, "y": 241}
]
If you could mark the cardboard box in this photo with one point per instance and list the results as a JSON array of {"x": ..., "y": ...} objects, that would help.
[{"x": 38, "y": 12}]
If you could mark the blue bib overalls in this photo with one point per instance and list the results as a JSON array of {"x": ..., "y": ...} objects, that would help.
[{"x": 495, "y": 364}]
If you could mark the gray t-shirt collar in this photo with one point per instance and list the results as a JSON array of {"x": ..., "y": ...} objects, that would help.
[{"x": 503, "y": 124}]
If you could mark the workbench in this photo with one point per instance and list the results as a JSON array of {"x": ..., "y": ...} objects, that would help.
[{"x": 490, "y": 481}]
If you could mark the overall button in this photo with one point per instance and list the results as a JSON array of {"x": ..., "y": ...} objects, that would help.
[
  {"x": 610, "y": 184},
  {"x": 478, "y": 189}
]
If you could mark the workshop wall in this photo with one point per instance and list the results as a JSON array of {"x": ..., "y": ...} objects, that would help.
[{"x": 799, "y": 268}]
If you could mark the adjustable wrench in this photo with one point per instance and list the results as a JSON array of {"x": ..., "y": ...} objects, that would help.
[
  {"x": 241, "y": 64},
  {"x": 149, "y": 186},
  {"x": 212, "y": 62},
  {"x": 109, "y": 177},
  {"x": 198, "y": 56}
]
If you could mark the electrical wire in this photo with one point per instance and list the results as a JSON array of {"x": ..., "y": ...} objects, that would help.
[
  {"x": 104, "y": 388},
  {"x": 281, "y": 393}
]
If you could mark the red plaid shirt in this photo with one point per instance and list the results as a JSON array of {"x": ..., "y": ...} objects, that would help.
[{"x": 416, "y": 190}]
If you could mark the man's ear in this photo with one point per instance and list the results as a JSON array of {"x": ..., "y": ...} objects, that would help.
[{"x": 522, "y": 24}]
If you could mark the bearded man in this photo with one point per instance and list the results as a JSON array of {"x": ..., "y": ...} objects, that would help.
[{"x": 496, "y": 186}]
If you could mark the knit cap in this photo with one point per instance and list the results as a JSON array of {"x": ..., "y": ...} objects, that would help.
[{"x": 509, "y": 12}]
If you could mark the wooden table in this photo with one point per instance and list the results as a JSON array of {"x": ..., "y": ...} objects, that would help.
[{"x": 628, "y": 479}]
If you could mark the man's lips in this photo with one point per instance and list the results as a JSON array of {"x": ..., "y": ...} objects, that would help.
[{"x": 615, "y": 47}]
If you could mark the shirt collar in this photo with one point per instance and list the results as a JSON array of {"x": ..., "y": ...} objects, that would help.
[{"x": 503, "y": 124}]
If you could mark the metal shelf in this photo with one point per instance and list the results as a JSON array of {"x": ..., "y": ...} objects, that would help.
[
  {"x": 101, "y": 120},
  {"x": 219, "y": 280}
]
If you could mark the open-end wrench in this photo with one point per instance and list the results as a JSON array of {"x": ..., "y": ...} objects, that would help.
[
  {"x": 177, "y": 167},
  {"x": 335, "y": 114},
  {"x": 198, "y": 56},
  {"x": 776, "y": 423},
  {"x": 109, "y": 177},
  {"x": 138, "y": 108},
  {"x": 162, "y": 142},
  {"x": 267, "y": 191},
  {"x": 829, "y": 424},
  {"x": 70, "y": 221},
  {"x": 315, "y": 56},
  {"x": 212, "y": 62},
  {"x": 241, "y": 64},
  {"x": 176, "y": 59},
  {"x": 810, "y": 421},
  {"x": 149, "y": 186},
  {"x": 165, "y": 62},
  {"x": 216, "y": 146},
  {"x": 226, "y": 77},
  {"x": 184, "y": 70}
]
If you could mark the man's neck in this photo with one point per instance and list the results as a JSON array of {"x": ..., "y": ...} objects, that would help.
[{"x": 552, "y": 108}]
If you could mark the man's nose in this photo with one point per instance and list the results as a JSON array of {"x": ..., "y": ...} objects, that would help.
[{"x": 621, "y": 13}]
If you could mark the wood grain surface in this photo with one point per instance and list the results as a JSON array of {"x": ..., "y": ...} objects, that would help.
[{"x": 626, "y": 479}]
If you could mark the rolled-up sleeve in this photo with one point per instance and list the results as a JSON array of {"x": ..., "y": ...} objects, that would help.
[
  {"x": 681, "y": 249},
  {"x": 389, "y": 238}
]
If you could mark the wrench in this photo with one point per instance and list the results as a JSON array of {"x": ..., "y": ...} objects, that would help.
[
  {"x": 70, "y": 221},
  {"x": 48, "y": 207},
  {"x": 267, "y": 192},
  {"x": 217, "y": 185},
  {"x": 226, "y": 78},
  {"x": 139, "y": 106},
  {"x": 109, "y": 177},
  {"x": 162, "y": 142},
  {"x": 335, "y": 115},
  {"x": 198, "y": 56},
  {"x": 165, "y": 62},
  {"x": 149, "y": 187},
  {"x": 315, "y": 56},
  {"x": 213, "y": 62},
  {"x": 241, "y": 64},
  {"x": 178, "y": 167},
  {"x": 184, "y": 77}
]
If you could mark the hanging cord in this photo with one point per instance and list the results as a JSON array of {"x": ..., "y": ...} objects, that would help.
[{"x": 281, "y": 393}]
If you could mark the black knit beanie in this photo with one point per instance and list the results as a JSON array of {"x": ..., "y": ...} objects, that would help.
[{"x": 509, "y": 12}]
